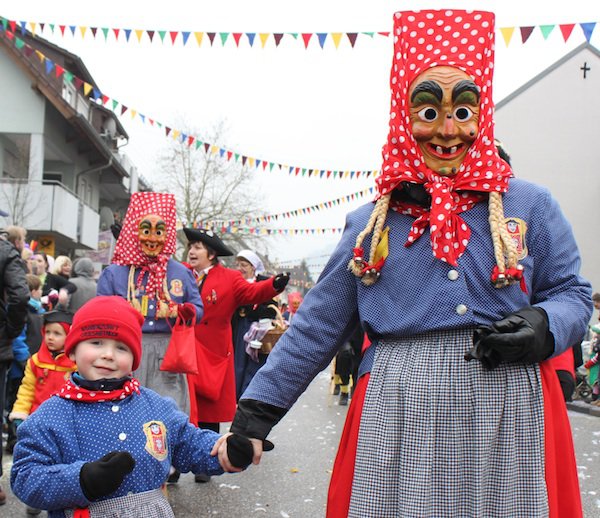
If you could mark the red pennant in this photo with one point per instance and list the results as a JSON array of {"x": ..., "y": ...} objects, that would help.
[
  {"x": 105, "y": 99},
  {"x": 264, "y": 164},
  {"x": 151, "y": 121},
  {"x": 386, "y": 34},
  {"x": 13, "y": 25},
  {"x": 306, "y": 37},
  {"x": 62, "y": 29},
  {"x": 352, "y": 38},
  {"x": 116, "y": 31},
  {"x": 526, "y": 32},
  {"x": 173, "y": 35},
  {"x": 277, "y": 36},
  {"x": 59, "y": 70},
  {"x": 229, "y": 154},
  {"x": 566, "y": 30},
  {"x": 191, "y": 140},
  {"x": 236, "y": 37},
  {"x": 297, "y": 170}
]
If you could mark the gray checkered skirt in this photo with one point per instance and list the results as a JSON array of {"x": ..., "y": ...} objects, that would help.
[
  {"x": 442, "y": 437},
  {"x": 149, "y": 504}
]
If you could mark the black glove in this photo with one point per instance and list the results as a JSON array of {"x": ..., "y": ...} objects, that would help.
[
  {"x": 115, "y": 229},
  {"x": 521, "y": 337},
  {"x": 104, "y": 476},
  {"x": 281, "y": 280},
  {"x": 255, "y": 419},
  {"x": 239, "y": 451}
]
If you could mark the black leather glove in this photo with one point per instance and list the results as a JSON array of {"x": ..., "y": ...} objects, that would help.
[
  {"x": 239, "y": 450},
  {"x": 521, "y": 337},
  {"x": 103, "y": 477},
  {"x": 281, "y": 280},
  {"x": 255, "y": 419}
]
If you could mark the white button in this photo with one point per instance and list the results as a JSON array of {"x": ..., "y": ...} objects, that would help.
[
  {"x": 122, "y": 436},
  {"x": 452, "y": 275},
  {"x": 150, "y": 323},
  {"x": 150, "y": 306},
  {"x": 115, "y": 408},
  {"x": 461, "y": 309}
]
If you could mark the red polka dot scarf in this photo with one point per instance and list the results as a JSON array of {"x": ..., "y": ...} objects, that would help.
[
  {"x": 425, "y": 39},
  {"x": 128, "y": 251},
  {"x": 74, "y": 392}
]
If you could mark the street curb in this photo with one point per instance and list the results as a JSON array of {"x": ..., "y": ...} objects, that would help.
[{"x": 583, "y": 408}]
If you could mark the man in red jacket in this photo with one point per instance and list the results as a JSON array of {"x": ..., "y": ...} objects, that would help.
[{"x": 222, "y": 291}]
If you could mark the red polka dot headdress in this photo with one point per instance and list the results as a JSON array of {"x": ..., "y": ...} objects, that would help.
[
  {"x": 422, "y": 40},
  {"x": 128, "y": 250}
]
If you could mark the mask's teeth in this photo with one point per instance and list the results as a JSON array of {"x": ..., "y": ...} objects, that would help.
[
  {"x": 439, "y": 149},
  {"x": 453, "y": 149}
]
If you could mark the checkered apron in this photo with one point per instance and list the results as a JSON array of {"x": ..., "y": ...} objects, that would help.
[
  {"x": 442, "y": 437},
  {"x": 150, "y": 504}
]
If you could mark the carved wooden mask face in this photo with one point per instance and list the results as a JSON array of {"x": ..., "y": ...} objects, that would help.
[{"x": 152, "y": 233}]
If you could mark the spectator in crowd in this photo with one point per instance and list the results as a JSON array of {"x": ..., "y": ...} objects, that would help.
[
  {"x": 62, "y": 266},
  {"x": 14, "y": 296},
  {"x": 55, "y": 288},
  {"x": 84, "y": 281}
]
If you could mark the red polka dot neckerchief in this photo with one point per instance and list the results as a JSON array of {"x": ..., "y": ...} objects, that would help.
[
  {"x": 128, "y": 251},
  {"x": 422, "y": 40},
  {"x": 74, "y": 392}
]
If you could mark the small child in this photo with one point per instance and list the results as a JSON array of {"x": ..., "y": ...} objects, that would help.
[
  {"x": 47, "y": 370},
  {"x": 24, "y": 346},
  {"x": 103, "y": 446}
]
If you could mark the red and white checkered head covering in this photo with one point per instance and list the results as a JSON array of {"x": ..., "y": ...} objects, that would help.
[
  {"x": 422, "y": 40},
  {"x": 128, "y": 250}
]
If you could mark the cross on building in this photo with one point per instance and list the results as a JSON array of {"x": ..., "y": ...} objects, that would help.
[{"x": 585, "y": 69}]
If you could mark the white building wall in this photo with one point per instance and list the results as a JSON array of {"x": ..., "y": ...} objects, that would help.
[{"x": 551, "y": 130}]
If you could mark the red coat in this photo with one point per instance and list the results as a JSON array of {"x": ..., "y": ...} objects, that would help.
[{"x": 223, "y": 291}]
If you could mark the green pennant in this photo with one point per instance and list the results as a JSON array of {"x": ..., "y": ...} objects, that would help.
[
  {"x": 198, "y": 143},
  {"x": 115, "y": 103},
  {"x": 546, "y": 30},
  {"x": 224, "y": 36},
  {"x": 303, "y": 171},
  {"x": 159, "y": 124},
  {"x": 237, "y": 156},
  {"x": 51, "y": 27},
  {"x": 162, "y": 35},
  {"x": 368, "y": 33},
  {"x": 294, "y": 35},
  {"x": 19, "y": 43},
  {"x": 105, "y": 32},
  {"x": 68, "y": 76},
  {"x": 5, "y": 23},
  {"x": 271, "y": 164}
]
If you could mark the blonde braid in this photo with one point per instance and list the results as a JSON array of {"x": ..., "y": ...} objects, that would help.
[
  {"x": 504, "y": 246},
  {"x": 375, "y": 224}
]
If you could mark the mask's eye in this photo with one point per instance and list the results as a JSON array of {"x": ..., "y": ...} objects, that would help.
[
  {"x": 428, "y": 114},
  {"x": 159, "y": 232},
  {"x": 462, "y": 114},
  {"x": 145, "y": 232}
]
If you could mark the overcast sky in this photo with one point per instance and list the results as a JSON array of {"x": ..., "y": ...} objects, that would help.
[{"x": 314, "y": 108}]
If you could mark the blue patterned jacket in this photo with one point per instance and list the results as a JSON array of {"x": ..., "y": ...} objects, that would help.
[
  {"x": 418, "y": 293},
  {"x": 62, "y": 435}
]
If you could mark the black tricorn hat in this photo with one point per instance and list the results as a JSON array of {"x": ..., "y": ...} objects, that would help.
[
  {"x": 57, "y": 316},
  {"x": 209, "y": 238}
]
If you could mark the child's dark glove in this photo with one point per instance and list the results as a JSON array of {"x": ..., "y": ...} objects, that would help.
[
  {"x": 103, "y": 477},
  {"x": 521, "y": 337}
]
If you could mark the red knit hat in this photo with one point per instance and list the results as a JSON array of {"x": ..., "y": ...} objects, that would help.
[{"x": 108, "y": 317}]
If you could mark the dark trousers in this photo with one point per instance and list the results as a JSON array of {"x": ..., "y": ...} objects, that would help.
[{"x": 3, "y": 374}]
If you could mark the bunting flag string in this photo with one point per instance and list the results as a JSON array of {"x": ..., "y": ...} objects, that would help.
[
  {"x": 257, "y": 39},
  {"x": 288, "y": 214},
  {"x": 192, "y": 141},
  {"x": 264, "y": 231}
]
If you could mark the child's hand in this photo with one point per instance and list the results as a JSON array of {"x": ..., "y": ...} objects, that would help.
[{"x": 237, "y": 452}]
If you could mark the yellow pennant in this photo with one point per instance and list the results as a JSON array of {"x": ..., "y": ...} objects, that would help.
[
  {"x": 507, "y": 33},
  {"x": 138, "y": 33},
  {"x": 175, "y": 133},
  {"x": 337, "y": 36},
  {"x": 82, "y": 29},
  {"x": 251, "y": 161},
  {"x": 33, "y": 26},
  {"x": 382, "y": 249},
  {"x": 40, "y": 55},
  {"x": 199, "y": 36},
  {"x": 133, "y": 113},
  {"x": 214, "y": 149},
  {"x": 263, "y": 38},
  {"x": 87, "y": 88}
]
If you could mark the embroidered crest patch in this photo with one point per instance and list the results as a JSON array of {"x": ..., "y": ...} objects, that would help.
[
  {"x": 517, "y": 229},
  {"x": 156, "y": 439},
  {"x": 176, "y": 288}
]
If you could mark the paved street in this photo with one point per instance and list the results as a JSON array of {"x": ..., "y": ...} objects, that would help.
[{"x": 292, "y": 480}]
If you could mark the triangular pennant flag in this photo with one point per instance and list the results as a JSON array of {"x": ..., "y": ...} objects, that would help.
[
  {"x": 224, "y": 36},
  {"x": 185, "y": 35},
  {"x": 167, "y": 130},
  {"x": 507, "y": 33},
  {"x": 138, "y": 33},
  {"x": 336, "y": 37},
  {"x": 293, "y": 35},
  {"x": 105, "y": 99},
  {"x": 251, "y": 161},
  {"x": 566, "y": 30},
  {"x": 116, "y": 33},
  {"x": 306, "y": 36},
  {"x": 244, "y": 158},
  {"x": 123, "y": 109},
  {"x": 386, "y": 34},
  {"x": 263, "y": 38},
  {"x": 236, "y": 38},
  {"x": 588, "y": 29},
  {"x": 96, "y": 94},
  {"x": 206, "y": 147},
  {"x": 32, "y": 27},
  {"x": 277, "y": 37},
  {"x": 236, "y": 156},
  {"x": 49, "y": 66},
  {"x": 251, "y": 36},
  {"x": 72, "y": 28},
  {"x": 150, "y": 35},
  {"x": 23, "y": 27},
  {"x": 115, "y": 103},
  {"x": 198, "y": 36},
  {"x": 42, "y": 25},
  {"x": 4, "y": 23},
  {"x": 173, "y": 35},
  {"x": 127, "y": 34},
  {"x": 143, "y": 117},
  {"x": 352, "y": 38},
  {"x": 62, "y": 29},
  {"x": 190, "y": 140},
  {"x": 68, "y": 76},
  {"x": 19, "y": 43},
  {"x": 546, "y": 30},
  {"x": 105, "y": 32},
  {"x": 322, "y": 37},
  {"x": 211, "y": 37},
  {"x": 59, "y": 71},
  {"x": 51, "y": 27},
  {"x": 162, "y": 36},
  {"x": 198, "y": 143},
  {"x": 87, "y": 88},
  {"x": 93, "y": 29},
  {"x": 526, "y": 32},
  {"x": 82, "y": 30}
]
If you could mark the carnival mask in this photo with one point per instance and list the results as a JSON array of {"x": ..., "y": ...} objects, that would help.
[
  {"x": 152, "y": 233},
  {"x": 444, "y": 116}
]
